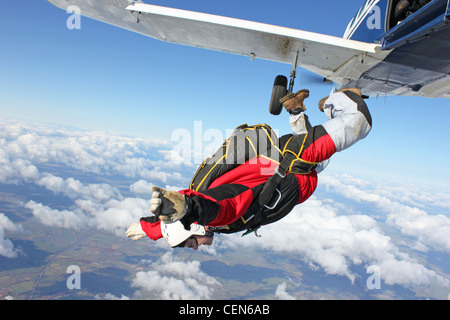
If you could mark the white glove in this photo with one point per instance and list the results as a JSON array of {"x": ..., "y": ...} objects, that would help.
[{"x": 135, "y": 232}]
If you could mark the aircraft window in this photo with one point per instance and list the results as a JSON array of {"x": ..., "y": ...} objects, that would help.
[{"x": 401, "y": 9}]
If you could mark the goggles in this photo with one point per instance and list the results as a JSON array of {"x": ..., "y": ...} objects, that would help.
[{"x": 192, "y": 241}]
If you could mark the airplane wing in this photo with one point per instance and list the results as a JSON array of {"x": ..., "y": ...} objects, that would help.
[{"x": 334, "y": 58}]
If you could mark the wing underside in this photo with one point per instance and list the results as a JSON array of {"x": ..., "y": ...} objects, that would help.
[
  {"x": 341, "y": 60},
  {"x": 337, "y": 59}
]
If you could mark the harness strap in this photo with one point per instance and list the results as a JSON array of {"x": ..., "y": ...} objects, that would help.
[
  {"x": 291, "y": 157},
  {"x": 257, "y": 207}
]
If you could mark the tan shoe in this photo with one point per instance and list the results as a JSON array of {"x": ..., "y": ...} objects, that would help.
[
  {"x": 295, "y": 100},
  {"x": 354, "y": 90}
]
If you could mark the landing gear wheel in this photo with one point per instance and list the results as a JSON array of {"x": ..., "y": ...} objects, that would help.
[{"x": 278, "y": 92}]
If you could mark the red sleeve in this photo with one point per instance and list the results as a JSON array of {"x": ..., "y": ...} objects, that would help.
[
  {"x": 307, "y": 184},
  {"x": 318, "y": 146},
  {"x": 151, "y": 229},
  {"x": 230, "y": 195},
  {"x": 221, "y": 205}
]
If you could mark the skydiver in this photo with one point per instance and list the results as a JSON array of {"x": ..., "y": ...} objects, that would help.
[{"x": 190, "y": 218}]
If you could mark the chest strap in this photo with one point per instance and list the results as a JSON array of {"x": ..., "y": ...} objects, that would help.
[{"x": 291, "y": 162}]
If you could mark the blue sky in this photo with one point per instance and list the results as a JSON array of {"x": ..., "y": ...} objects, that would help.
[{"x": 108, "y": 79}]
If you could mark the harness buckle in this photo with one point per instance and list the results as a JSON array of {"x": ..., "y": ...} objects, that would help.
[
  {"x": 277, "y": 171},
  {"x": 276, "y": 202}
]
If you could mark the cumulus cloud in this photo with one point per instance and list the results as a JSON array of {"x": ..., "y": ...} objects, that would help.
[
  {"x": 113, "y": 215},
  {"x": 94, "y": 205},
  {"x": 402, "y": 207},
  {"x": 96, "y": 152},
  {"x": 57, "y": 218},
  {"x": 28, "y": 151},
  {"x": 142, "y": 187},
  {"x": 329, "y": 240},
  {"x": 335, "y": 241},
  {"x": 430, "y": 230},
  {"x": 6, "y": 246},
  {"x": 281, "y": 293},
  {"x": 170, "y": 279},
  {"x": 407, "y": 272},
  {"x": 117, "y": 215},
  {"x": 110, "y": 296},
  {"x": 74, "y": 189}
]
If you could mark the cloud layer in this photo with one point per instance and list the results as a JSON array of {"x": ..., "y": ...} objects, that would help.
[
  {"x": 170, "y": 279},
  {"x": 31, "y": 154},
  {"x": 23, "y": 147},
  {"x": 402, "y": 206},
  {"x": 335, "y": 236},
  {"x": 344, "y": 225}
]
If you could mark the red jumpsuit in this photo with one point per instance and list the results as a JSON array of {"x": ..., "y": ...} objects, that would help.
[{"x": 230, "y": 196}]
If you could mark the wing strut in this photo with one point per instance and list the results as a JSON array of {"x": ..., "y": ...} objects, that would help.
[{"x": 293, "y": 74}]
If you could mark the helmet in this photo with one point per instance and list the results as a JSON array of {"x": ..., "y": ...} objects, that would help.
[{"x": 175, "y": 233}]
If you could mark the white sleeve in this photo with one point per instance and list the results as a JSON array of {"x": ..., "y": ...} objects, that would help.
[{"x": 350, "y": 120}]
